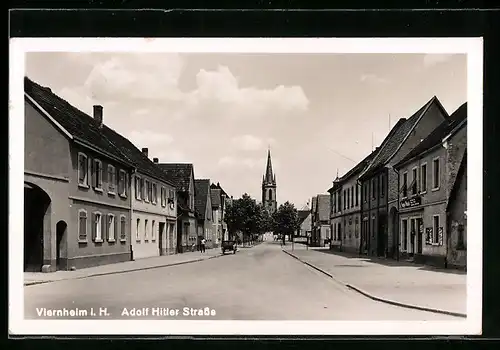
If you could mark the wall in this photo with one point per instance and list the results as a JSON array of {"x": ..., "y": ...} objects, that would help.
[
  {"x": 152, "y": 211},
  {"x": 90, "y": 253},
  {"x": 455, "y": 148},
  {"x": 305, "y": 227},
  {"x": 46, "y": 149}
]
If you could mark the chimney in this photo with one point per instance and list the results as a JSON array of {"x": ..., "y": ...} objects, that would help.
[
  {"x": 145, "y": 151},
  {"x": 155, "y": 160},
  {"x": 98, "y": 114}
]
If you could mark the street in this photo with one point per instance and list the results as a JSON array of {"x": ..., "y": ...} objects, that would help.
[{"x": 259, "y": 283}]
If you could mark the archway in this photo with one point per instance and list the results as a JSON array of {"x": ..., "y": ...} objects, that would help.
[
  {"x": 36, "y": 222},
  {"x": 61, "y": 245}
]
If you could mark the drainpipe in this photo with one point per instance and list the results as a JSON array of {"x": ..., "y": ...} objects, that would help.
[
  {"x": 397, "y": 219},
  {"x": 132, "y": 196}
]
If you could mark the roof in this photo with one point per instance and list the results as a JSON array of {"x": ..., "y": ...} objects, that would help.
[
  {"x": 84, "y": 127},
  {"x": 323, "y": 206},
  {"x": 80, "y": 125},
  {"x": 458, "y": 118},
  {"x": 218, "y": 186},
  {"x": 461, "y": 172},
  {"x": 396, "y": 137},
  {"x": 313, "y": 203},
  {"x": 139, "y": 159},
  {"x": 202, "y": 187},
  {"x": 303, "y": 214},
  {"x": 215, "y": 196},
  {"x": 357, "y": 168},
  {"x": 179, "y": 173}
]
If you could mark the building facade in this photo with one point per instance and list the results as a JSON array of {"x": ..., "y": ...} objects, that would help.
[
  {"x": 269, "y": 187},
  {"x": 320, "y": 219},
  {"x": 182, "y": 175},
  {"x": 218, "y": 200},
  {"x": 77, "y": 187},
  {"x": 379, "y": 181},
  {"x": 204, "y": 214},
  {"x": 305, "y": 223},
  {"x": 427, "y": 176},
  {"x": 154, "y": 209},
  {"x": 345, "y": 213}
]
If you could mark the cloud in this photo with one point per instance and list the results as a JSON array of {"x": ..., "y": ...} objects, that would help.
[
  {"x": 433, "y": 59},
  {"x": 247, "y": 142},
  {"x": 373, "y": 79},
  {"x": 149, "y": 138}
]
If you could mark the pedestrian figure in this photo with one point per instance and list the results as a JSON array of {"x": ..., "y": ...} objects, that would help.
[{"x": 203, "y": 245}]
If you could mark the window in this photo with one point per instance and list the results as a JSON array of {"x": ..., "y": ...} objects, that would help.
[
  {"x": 435, "y": 229},
  {"x": 138, "y": 188},
  {"x": 111, "y": 179},
  {"x": 143, "y": 189},
  {"x": 404, "y": 189},
  {"x": 155, "y": 194},
  {"x": 352, "y": 196},
  {"x": 122, "y": 183},
  {"x": 334, "y": 232},
  {"x": 137, "y": 230},
  {"x": 123, "y": 228},
  {"x": 83, "y": 170},
  {"x": 357, "y": 199},
  {"x": 339, "y": 201},
  {"x": 356, "y": 227},
  {"x": 111, "y": 228},
  {"x": 97, "y": 175},
  {"x": 162, "y": 197},
  {"x": 435, "y": 173},
  {"x": 348, "y": 197},
  {"x": 97, "y": 227},
  {"x": 382, "y": 185},
  {"x": 147, "y": 194},
  {"x": 365, "y": 191},
  {"x": 423, "y": 178},
  {"x": 374, "y": 191},
  {"x": 82, "y": 226},
  {"x": 334, "y": 202},
  {"x": 153, "y": 230},
  {"x": 171, "y": 196},
  {"x": 414, "y": 182},
  {"x": 146, "y": 233},
  {"x": 404, "y": 234},
  {"x": 344, "y": 199},
  {"x": 270, "y": 194}
]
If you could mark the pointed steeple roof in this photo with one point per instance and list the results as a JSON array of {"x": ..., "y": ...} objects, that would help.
[{"x": 269, "y": 178}]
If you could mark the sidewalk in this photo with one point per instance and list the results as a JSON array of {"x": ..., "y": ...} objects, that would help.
[
  {"x": 395, "y": 282},
  {"x": 31, "y": 278}
]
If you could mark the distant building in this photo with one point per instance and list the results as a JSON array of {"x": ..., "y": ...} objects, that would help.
[
  {"x": 219, "y": 196},
  {"x": 305, "y": 223},
  {"x": 269, "y": 187},
  {"x": 204, "y": 214},
  {"x": 320, "y": 218}
]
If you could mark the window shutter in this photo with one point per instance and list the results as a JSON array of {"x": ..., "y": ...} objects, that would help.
[
  {"x": 428, "y": 235},
  {"x": 105, "y": 231},
  {"x": 93, "y": 173},
  {"x": 93, "y": 224},
  {"x": 104, "y": 224},
  {"x": 115, "y": 229},
  {"x": 440, "y": 236}
]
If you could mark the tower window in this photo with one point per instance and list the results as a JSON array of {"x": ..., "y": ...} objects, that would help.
[{"x": 270, "y": 195}]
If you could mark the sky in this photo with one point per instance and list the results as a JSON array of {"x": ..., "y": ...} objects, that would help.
[{"x": 320, "y": 114}]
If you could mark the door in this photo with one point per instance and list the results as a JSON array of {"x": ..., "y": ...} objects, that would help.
[
  {"x": 420, "y": 233},
  {"x": 381, "y": 235},
  {"x": 61, "y": 253},
  {"x": 413, "y": 225},
  {"x": 162, "y": 241}
]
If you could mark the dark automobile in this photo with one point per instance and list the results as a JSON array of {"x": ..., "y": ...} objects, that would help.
[{"x": 228, "y": 246}]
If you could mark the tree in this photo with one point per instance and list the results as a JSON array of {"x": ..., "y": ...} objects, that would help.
[
  {"x": 246, "y": 216},
  {"x": 286, "y": 220}
]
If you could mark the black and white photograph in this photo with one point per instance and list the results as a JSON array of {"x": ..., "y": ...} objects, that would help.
[{"x": 245, "y": 186}]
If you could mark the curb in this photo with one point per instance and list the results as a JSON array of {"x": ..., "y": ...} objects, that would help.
[
  {"x": 26, "y": 284},
  {"x": 370, "y": 296}
]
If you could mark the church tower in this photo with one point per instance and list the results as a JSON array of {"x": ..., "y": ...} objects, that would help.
[{"x": 269, "y": 186}]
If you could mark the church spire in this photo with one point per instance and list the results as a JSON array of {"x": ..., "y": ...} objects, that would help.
[{"x": 269, "y": 177}]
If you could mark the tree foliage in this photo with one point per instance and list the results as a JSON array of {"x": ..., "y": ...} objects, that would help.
[
  {"x": 246, "y": 216},
  {"x": 286, "y": 220}
]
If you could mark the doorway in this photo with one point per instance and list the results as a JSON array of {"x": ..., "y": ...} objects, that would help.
[
  {"x": 162, "y": 241},
  {"x": 413, "y": 226},
  {"x": 37, "y": 221},
  {"x": 395, "y": 232},
  {"x": 61, "y": 246},
  {"x": 420, "y": 234}
]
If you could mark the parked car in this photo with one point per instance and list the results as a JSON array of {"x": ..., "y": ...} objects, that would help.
[{"x": 228, "y": 246}]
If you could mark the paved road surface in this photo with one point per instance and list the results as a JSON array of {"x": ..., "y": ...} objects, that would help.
[{"x": 259, "y": 283}]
